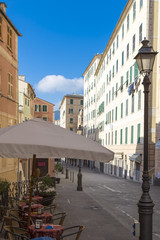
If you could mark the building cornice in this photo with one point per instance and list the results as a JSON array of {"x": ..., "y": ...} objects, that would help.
[
  {"x": 9, "y": 21},
  {"x": 114, "y": 33},
  {"x": 91, "y": 63}
]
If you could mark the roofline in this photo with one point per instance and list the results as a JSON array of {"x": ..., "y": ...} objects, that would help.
[
  {"x": 32, "y": 89},
  {"x": 92, "y": 61},
  {"x": 9, "y": 21},
  {"x": 44, "y": 101},
  {"x": 114, "y": 33},
  {"x": 70, "y": 95}
]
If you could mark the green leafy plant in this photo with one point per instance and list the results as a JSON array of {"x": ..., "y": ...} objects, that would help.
[
  {"x": 45, "y": 183},
  {"x": 58, "y": 168},
  {"x": 4, "y": 184}
]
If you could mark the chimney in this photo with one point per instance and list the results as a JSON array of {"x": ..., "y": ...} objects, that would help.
[{"x": 3, "y": 6}]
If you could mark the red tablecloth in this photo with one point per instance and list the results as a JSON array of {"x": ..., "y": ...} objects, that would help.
[
  {"x": 46, "y": 217},
  {"x": 56, "y": 232},
  {"x": 37, "y": 199},
  {"x": 34, "y": 207}
]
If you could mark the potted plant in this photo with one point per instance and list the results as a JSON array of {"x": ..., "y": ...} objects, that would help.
[
  {"x": 46, "y": 189},
  {"x": 4, "y": 185},
  {"x": 57, "y": 169}
]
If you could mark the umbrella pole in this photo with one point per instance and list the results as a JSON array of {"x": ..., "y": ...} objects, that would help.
[{"x": 31, "y": 188}]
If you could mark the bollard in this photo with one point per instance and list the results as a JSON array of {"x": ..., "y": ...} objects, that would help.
[
  {"x": 67, "y": 173},
  {"x": 79, "y": 180}
]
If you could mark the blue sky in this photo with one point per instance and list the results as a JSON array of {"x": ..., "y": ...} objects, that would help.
[{"x": 60, "y": 38}]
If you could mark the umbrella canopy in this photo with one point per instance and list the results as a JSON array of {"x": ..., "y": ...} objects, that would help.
[{"x": 47, "y": 140}]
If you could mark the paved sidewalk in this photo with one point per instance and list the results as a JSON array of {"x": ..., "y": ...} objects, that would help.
[{"x": 82, "y": 209}]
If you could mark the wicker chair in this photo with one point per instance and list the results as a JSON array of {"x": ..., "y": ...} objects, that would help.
[
  {"x": 15, "y": 233},
  {"x": 50, "y": 208},
  {"x": 74, "y": 230},
  {"x": 58, "y": 218}
]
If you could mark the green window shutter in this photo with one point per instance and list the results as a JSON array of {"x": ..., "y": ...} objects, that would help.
[
  {"x": 132, "y": 107},
  {"x": 116, "y": 137},
  {"x": 138, "y": 132},
  {"x": 130, "y": 74},
  {"x": 116, "y": 111},
  {"x": 121, "y": 110},
  {"x": 135, "y": 70},
  {"x": 126, "y": 135},
  {"x": 35, "y": 108},
  {"x": 139, "y": 99},
  {"x": 121, "y": 83},
  {"x": 112, "y": 115},
  {"x": 127, "y": 107},
  {"x": 121, "y": 136},
  {"x": 39, "y": 108},
  {"x": 132, "y": 134}
]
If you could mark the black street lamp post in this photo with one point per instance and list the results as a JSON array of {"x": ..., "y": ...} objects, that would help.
[{"x": 145, "y": 60}]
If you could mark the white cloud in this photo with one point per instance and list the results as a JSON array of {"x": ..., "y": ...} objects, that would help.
[{"x": 59, "y": 83}]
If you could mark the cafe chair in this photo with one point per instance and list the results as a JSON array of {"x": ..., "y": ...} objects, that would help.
[
  {"x": 51, "y": 208},
  {"x": 58, "y": 218},
  {"x": 4, "y": 212},
  {"x": 15, "y": 213},
  {"x": 16, "y": 233},
  {"x": 74, "y": 230},
  {"x": 14, "y": 222}
]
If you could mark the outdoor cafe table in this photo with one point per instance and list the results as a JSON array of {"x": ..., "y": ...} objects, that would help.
[
  {"x": 37, "y": 199},
  {"x": 45, "y": 217},
  {"x": 56, "y": 232},
  {"x": 34, "y": 207}
]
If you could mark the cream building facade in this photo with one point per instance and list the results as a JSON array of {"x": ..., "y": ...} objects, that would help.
[
  {"x": 119, "y": 101},
  {"x": 70, "y": 107}
]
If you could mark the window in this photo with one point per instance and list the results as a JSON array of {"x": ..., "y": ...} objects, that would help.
[
  {"x": 25, "y": 101},
  {"x": 138, "y": 133},
  {"x": 81, "y": 102},
  {"x": 127, "y": 51},
  {"x": 117, "y": 41},
  {"x": 140, "y": 33},
  {"x": 139, "y": 99},
  {"x": 141, "y": 4},
  {"x": 127, "y": 22},
  {"x": 107, "y": 79},
  {"x": 116, "y": 112},
  {"x": 127, "y": 78},
  {"x": 70, "y": 110},
  {"x": 71, "y": 101},
  {"x": 121, "y": 110},
  {"x": 112, "y": 93},
  {"x": 113, "y": 47},
  {"x": 109, "y": 96},
  {"x": 109, "y": 75},
  {"x": 117, "y": 66},
  {"x": 127, "y": 107},
  {"x": 121, "y": 84},
  {"x": 121, "y": 136},
  {"x": 106, "y": 138},
  {"x": 122, "y": 30},
  {"x": 116, "y": 89},
  {"x": 132, "y": 106},
  {"x": 0, "y": 28},
  {"x": 71, "y": 120},
  {"x": 122, "y": 58},
  {"x": 116, "y": 137},
  {"x": 107, "y": 99},
  {"x": 132, "y": 134},
  {"x": 113, "y": 72},
  {"x": 44, "y": 108},
  {"x": 134, "y": 10},
  {"x": 133, "y": 42},
  {"x": 112, "y": 115},
  {"x": 112, "y": 139},
  {"x": 131, "y": 74},
  {"x": 37, "y": 108},
  {"x": 9, "y": 37},
  {"x": 45, "y": 118},
  {"x": 135, "y": 70},
  {"x": 126, "y": 135},
  {"x": 10, "y": 85}
]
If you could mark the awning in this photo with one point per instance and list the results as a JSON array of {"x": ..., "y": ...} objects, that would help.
[{"x": 136, "y": 157}]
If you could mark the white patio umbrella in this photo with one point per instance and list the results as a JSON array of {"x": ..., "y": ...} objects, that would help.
[
  {"x": 42, "y": 139},
  {"x": 45, "y": 139}
]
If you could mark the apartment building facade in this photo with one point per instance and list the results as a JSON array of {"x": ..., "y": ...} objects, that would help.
[
  {"x": 8, "y": 85},
  {"x": 70, "y": 107},
  {"x": 26, "y": 99},
  {"x": 119, "y": 100}
]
